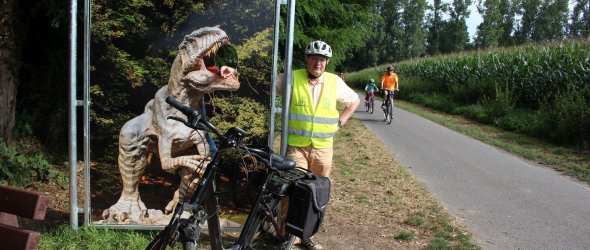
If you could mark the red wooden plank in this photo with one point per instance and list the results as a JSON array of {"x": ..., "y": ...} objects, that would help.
[
  {"x": 14, "y": 238},
  {"x": 8, "y": 219},
  {"x": 23, "y": 203}
]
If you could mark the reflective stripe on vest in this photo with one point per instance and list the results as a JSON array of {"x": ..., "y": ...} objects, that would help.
[{"x": 307, "y": 126}]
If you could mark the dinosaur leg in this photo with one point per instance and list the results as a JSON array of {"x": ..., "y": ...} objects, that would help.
[
  {"x": 188, "y": 181},
  {"x": 132, "y": 161}
]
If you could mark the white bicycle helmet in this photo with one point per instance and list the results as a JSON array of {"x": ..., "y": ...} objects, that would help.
[{"x": 318, "y": 48}]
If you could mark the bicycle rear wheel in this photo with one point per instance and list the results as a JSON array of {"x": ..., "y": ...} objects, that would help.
[{"x": 266, "y": 232}]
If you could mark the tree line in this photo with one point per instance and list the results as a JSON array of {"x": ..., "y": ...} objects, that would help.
[{"x": 135, "y": 41}]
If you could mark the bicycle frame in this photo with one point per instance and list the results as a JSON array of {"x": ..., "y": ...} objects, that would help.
[
  {"x": 206, "y": 194},
  {"x": 204, "y": 202}
]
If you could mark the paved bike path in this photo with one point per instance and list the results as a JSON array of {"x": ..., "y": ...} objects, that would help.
[{"x": 505, "y": 201}]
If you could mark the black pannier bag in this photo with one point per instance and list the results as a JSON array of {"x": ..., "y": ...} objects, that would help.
[{"x": 307, "y": 205}]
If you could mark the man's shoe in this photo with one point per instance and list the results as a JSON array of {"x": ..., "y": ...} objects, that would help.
[{"x": 312, "y": 244}]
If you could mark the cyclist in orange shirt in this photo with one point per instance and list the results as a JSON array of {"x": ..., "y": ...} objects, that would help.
[{"x": 389, "y": 82}]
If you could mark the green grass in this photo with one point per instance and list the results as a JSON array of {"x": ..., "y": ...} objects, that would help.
[
  {"x": 64, "y": 238},
  {"x": 405, "y": 236}
]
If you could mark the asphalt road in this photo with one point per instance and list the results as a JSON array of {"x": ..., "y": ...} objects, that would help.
[{"x": 505, "y": 201}]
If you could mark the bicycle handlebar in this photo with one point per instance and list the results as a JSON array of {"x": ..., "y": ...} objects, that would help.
[
  {"x": 195, "y": 118},
  {"x": 198, "y": 121}
]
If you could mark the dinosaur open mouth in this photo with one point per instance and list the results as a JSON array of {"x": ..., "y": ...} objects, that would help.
[
  {"x": 209, "y": 60},
  {"x": 220, "y": 54}
]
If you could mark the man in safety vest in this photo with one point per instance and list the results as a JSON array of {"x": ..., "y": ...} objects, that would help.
[{"x": 313, "y": 117}]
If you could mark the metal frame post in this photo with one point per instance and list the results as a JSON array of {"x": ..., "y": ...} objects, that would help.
[
  {"x": 86, "y": 104},
  {"x": 73, "y": 147},
  {"x": 288, "y": 76},
  {"x": 273, "y": 86},
  {"x": 86, "y": 69}
]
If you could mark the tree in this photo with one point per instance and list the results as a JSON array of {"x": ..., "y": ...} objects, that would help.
[
  {"x": 8, "y": 69},
  {"x": 33, "y": 52},
  {"x": 344, "y": 25},
  {"x": 580, "y": 20},
  {"x": 508, "y": 12},
  {"x": 456, "y": 34},
  {"x": 435, "y": 26},
  {"x": 413, "y": 27},
  {"x": 391, "y": 11},
  {"x": 529, "y": 11},
  {"x": 551, "y": 21},
  {"x": 489, "y": 31}
]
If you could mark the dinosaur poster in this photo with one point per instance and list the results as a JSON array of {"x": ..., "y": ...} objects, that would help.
[{"x": 139, "y": 180}]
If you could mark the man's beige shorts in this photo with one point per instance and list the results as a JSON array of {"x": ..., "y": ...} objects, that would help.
[{"x": 316, "y": 160}]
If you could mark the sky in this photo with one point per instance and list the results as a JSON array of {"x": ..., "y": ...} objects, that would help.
[{"x": 473, "y": 20}]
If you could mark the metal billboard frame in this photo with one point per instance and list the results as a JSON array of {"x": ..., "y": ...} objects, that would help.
[{"x": 74, "y": 103}]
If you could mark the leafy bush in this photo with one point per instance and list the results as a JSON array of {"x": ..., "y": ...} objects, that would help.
[
  {"x": 501, "y": 103},
  {"x": 519, "y": 120},
  {"x": 243, "y": 112},
  {"x": 416, "y": 85},
  {"x": 472, "y": 92},
  {"x": 19, "y": 165},
  {"x": 567, "y": 120},
  {"x": 437, "y": 101}
]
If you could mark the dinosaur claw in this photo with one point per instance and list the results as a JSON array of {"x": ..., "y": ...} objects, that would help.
[{"x": 106, "y": 214}]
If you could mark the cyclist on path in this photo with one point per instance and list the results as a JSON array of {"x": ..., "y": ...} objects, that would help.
[
  {"x": 313, "y": 117},
  {"x": 370, "y": 90},
  {"x": 389, "y": 82}
]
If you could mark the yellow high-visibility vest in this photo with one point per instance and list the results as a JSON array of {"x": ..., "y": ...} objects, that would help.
[{"x": 307, "y": 126}]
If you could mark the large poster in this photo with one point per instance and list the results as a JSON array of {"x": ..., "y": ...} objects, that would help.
[{"x": 215, "y": 56}]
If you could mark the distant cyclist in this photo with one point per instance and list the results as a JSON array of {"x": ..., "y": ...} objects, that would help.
[
  {"x": 370, "y": 90},
  {"x": 389, "y": 82}
]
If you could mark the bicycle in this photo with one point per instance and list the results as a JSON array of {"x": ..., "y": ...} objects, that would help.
[
  {"x": 388, "y": 109},
  {"x": 370, "y": 104},
  {"x": 203, "y": 204}
]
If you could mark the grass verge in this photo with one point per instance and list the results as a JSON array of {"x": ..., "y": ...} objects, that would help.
[
  {"x": 570, "y": 161},
  {"x": 375, "y": 196}
]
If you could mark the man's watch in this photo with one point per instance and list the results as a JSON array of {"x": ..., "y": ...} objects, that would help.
[{"x": 340, "y": 123}]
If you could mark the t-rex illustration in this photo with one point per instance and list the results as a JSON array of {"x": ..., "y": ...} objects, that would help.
[{"x": 192, "y": 74}]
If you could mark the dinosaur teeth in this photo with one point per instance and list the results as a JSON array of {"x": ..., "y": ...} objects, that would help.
[{"x": 214, "y": 48}]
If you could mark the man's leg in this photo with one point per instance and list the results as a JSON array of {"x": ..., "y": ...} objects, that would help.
[
  {"x": 384, "y": 98},
  {"x": 300, "y": 155},
  {"x": 321, "y": 161}
]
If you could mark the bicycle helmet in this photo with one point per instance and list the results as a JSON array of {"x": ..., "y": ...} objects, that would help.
[
  {"x": 318, "y": 48},
  {"x": 372, "y": 80}
]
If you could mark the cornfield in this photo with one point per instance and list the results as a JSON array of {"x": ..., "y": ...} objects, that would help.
[{"x": 533, "y": 72}]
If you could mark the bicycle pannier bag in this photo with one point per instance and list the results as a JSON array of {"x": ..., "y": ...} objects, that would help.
[{"x": 307, "y": 205}]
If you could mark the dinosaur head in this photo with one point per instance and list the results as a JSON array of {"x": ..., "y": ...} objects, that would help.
[{"x": 199, "y": 70}]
